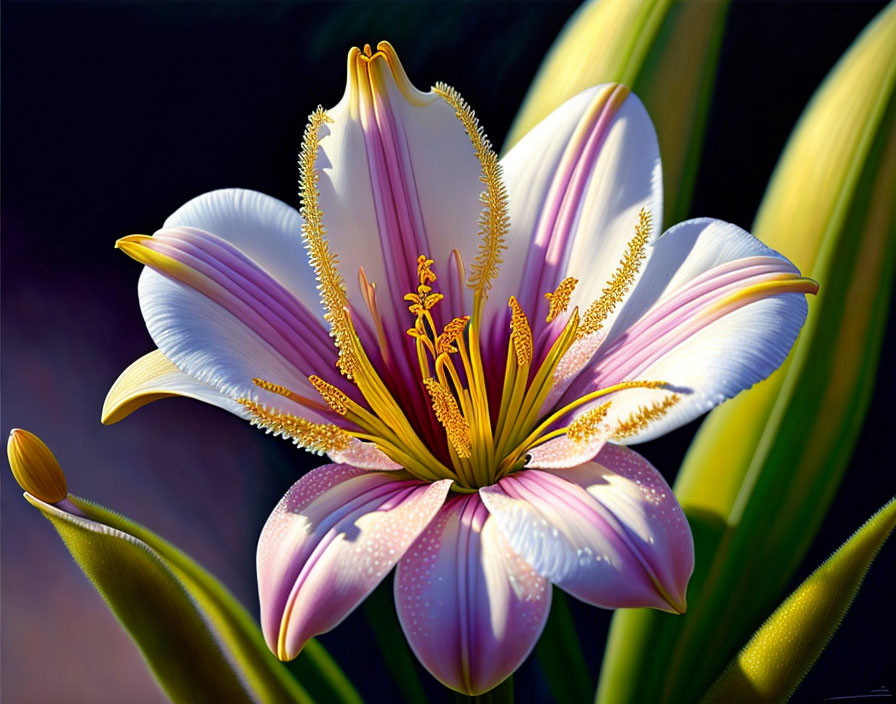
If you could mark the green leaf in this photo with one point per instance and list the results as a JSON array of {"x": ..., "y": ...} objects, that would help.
[
  {"x": 665, "y": 51},
  {"x": 153, "y": 607},
  {"x": 778, "y": 656},
  {"x": 560, "y": 655},
  {"x": 190, "y": 629},
  {"x": 765, "y": 466}
]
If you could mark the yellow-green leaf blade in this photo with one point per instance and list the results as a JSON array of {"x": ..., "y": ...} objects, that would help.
[
  {"x": 778, "y": 656},
  {"x": 665, "y": 51},
  {"x": 268, "y": 678},
  {"x": 153, "y": 607},
  {"x": 765, "y": 466}
]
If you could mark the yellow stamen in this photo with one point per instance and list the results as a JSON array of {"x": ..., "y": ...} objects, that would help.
[
  {"x": 520, "y": 334},
  {"x": 535, "y": 437},
  {"x": 621, "y": 281},
  {"x": 589, "y": 424},
  {"x": 424, "y": 270},
  {"x": 447, "y": 412},
  {"x": 559, "y": 299},
  {"x": 335, "y": 398},
  {"x": 314, "y": 437},
  {"x": 452, "y": 333},
  {"x": 368, "y": 292},
  {"x": 639, "y": 420},
  {"x": 289, "y": 393}
]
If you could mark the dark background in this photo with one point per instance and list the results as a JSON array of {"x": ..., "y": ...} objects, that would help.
[{"x": 114, "y": 114}]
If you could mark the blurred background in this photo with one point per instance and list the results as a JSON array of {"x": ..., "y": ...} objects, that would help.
[{"x": 116, "y": 113}]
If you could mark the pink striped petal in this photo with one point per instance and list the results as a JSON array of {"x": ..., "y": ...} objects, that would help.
[
  {"x": 398, "y": 178},
  {"x": 471, "y": 609},
  {"x": 332, "y": 538},
  {"x": 264, "y": 229},
  {"x": 609, "y": 532},
  {"x": 576, "y": 184},
  {"x": 224, "y": 320},
  {"x": 688, "y": 323}
]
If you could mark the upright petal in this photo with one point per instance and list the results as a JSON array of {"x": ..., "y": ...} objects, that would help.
[
  {"x": 577, "y": 182},
  {"x": 332, "y": 538},
  {"x": 395, "y": 163},
  {"x": 609, "y": 532},
  {"x": 470, "y": 607},
  {"x": 714, "y": 312}
]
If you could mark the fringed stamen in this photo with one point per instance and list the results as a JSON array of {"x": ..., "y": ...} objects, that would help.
[
  {"x": 446, "y": 342},
  {"x": 520, "y": 333},
  {"x": 314, "y": 437},
  {"x": 638, "y": 421},
  {"x": 589, "y": 424},
  {"x": 621, "y": 281},
  {"x": 335, "y": 397}
]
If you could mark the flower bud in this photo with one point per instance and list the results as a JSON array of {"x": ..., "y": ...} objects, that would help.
[{"x": 35, "y": 467}]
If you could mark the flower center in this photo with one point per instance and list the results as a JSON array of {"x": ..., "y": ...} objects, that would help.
[{"x": 487, "y": 438}]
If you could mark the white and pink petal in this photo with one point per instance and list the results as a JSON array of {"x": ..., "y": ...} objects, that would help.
[
  {"x": 608, "y": 532},
  {"x": 264, "y": 229},
  {"x": 577, "y": 182},
  {"x": 329, "y": 542},
  {"x": 398, "y": 178},
  {"x": 470, "y": 607},
  {"x": 219, "y": 315},
  {"x": 714, "y": 312}
]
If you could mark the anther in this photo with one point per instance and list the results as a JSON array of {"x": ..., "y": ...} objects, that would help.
[{"x": 559, "y": 299}]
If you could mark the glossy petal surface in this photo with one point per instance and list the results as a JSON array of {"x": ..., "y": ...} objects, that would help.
[
  {"x": 470, "y": 607},
  {"x": 609, "y": 532},
  {"x": 332, "y": 538}
]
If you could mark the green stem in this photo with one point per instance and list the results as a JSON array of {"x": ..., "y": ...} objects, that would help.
[{"x": 502, "y": 694}]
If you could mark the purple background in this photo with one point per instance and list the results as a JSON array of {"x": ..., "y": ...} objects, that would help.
[{"x": 115, "y": 114}]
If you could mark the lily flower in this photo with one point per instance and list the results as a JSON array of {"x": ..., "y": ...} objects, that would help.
[{"x": 491, "y": 334}]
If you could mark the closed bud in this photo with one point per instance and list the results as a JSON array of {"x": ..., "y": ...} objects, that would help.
[{"x": 35, "y": 467}]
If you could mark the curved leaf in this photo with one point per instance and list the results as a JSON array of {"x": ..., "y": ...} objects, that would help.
[
  {"x": 665, "y": 51},
  {"x": 778, "y": 656},
  {"x": 153, "y": 607},
  {"x": 785, "y": 444},
  {"x": 109, "y": 564}
]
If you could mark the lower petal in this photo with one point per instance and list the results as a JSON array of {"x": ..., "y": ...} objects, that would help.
[
  {"x": 470, "y": 607},
  {"x": 609, "y": 532},
  {"x": 332, "y": 538}
]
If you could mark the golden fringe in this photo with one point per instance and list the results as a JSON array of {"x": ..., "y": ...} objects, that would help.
[
  {"x": 621, "y": 281},
  {"x": 323, "y": 261},
  {"x": 314, "y": 437},
  {"x": 494, "y": 219},
  {"x": 589, "y": 424},
  {"x": 639, "y": 420}
]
